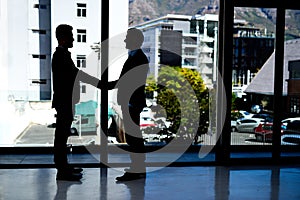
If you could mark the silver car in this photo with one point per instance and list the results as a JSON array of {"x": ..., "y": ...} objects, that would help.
[{"x": 248, "y": 125}]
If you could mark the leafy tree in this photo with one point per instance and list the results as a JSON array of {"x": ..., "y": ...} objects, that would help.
[
  {"x": 233, "y": 101},
  {"x": 151, "y": 86},
  {"x": 184, "y": 97}
]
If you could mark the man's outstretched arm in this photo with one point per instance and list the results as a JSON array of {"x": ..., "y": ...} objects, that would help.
[{"x": 84, "y": 77}]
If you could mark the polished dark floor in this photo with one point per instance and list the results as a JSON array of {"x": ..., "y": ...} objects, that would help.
[
  {"x": 32, "y": 177},
  {"x": 165, "y": 183}
]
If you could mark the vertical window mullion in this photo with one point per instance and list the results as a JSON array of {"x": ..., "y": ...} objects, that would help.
[{"x": 278, "y": 80}]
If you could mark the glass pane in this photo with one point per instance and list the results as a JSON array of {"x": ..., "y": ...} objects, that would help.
[
  {"x": 252, "y": 86},
  {"x": 26, "y": 81},
  {"x": 290, "y": 137},
  {"x": 181, "y": 85}
]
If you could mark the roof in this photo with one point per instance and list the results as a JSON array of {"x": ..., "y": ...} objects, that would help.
[
  {"x": 263, "y": 82},
  {"x": 89, "y": 108}
]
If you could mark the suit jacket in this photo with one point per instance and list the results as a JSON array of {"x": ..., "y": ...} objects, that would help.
[
  {"x": 66, "y": 86},
  {"x": 66, "y": 80},
  {"x": 132, "y": 80}
]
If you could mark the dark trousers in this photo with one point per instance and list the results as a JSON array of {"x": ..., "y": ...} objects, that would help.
[
  {"x": 64, "y": 120},
  {"x": 134, "y": 138}
]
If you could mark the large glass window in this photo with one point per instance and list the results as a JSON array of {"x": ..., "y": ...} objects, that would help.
[
  {"x": 252, "y": 108},
  {"x": 191, "y": 86},
  {"x": 270, "y": 93},
  {"x": 290, "y": 118}
]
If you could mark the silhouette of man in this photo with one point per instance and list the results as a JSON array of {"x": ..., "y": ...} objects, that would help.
[
  {"x": 131, "y": 97},
  {"x": 66, "y": 78}
]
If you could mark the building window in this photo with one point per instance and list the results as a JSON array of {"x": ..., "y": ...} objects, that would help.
[
  {"x": 81, "y": 10},
  {"x": 40, "y": 6},
  {"x": 295, "y": 105},
  {"x": 39, "y": 56},
  {"x": 38, "y": 81},
  {"x": 81, "y": 35},
  {"x": 81, "y": 61},
  {"x": 42, "y": 32},
  {"x": 83, "y": 89}
]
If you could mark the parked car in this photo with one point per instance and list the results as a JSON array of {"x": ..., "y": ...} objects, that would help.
[
  {"x": 147, "y": 122},
  {"x": 293, "y": 127},
  {"x": 233, "y": 125},
  {"x": 239, "y": 114},
  {"x": 288, "y": 120},
  {"x": 290, "y": 139},
  {"x": 248, "y": 125},
  {"x": 146, "y": 112},
  {"x": 264, "y": 132},
  {"x": 266, "y": 117},
  {"x": 246, "y": 114}
]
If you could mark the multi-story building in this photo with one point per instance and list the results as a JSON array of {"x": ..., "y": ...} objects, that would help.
[
  {"x": 181, "y": 40},
  {"x": 28, "y": 41},
  {"x": 293, "y": 87},
  {"x": 26, "y": 49},
  {"x": 261, "y": 88},
  {"x": 191, "y": 42},
  {"x": 251, "y": 49}
]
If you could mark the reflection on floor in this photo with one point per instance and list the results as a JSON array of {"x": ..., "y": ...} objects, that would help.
[{"x": 247, "y": 182}]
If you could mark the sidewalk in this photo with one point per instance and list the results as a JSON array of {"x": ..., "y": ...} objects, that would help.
[{"x": 37, "y": 134}]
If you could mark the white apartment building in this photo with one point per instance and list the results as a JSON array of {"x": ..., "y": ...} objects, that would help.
[
  {"x": 188, "y": 38},
  {"x": 26, "y": 48},
  {"x": 28, "y": 41}
]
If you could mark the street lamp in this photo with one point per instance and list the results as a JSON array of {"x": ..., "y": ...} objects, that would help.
[{"x": 96, "y": 47}]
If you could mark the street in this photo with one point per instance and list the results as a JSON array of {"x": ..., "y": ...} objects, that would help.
[{"x": 238, "y": 138}]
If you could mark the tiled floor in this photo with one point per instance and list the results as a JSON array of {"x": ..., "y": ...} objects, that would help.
[
  {"x": 167, "y": 183},
  {"x": 32, "y": 177}
]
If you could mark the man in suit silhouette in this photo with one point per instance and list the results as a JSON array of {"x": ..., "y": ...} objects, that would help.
[
  {"x": 131, "y": 97},
  {"x": 66, "y": 78}
]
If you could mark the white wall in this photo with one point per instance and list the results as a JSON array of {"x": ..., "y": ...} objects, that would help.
[
  {"x": 3, "y": 51},
  {"x": 17, "y": 40},
  {"x": 92, "y": 23}
]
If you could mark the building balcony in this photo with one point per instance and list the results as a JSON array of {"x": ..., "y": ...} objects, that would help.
[
  {"x": 206, "y": 60},
  {"x": 189, "y": 55},
  {"x": 189, "y": 66},
  {"x": 189, "y": 44}
]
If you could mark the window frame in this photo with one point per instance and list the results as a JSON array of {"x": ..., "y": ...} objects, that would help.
[
  {"x": 81, "y": 61},
  {"x": 81, "y": 10},
  {"x": 81, "y": 35},
  {"x": 226, "y": 16},
  {"x": 223, "y": 147}
]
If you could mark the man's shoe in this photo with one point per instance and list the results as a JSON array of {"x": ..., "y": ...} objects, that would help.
[
  {"x": 68, "y": 176},
  {"x": 76, "y": 170},
  {"x": 131, "y": 176},
  {"x": 132, "y": 170}
]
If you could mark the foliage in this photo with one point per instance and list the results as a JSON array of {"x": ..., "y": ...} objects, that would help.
[
  {"x": 233, "y": 101},
  {"x": 183, "y": 95}
]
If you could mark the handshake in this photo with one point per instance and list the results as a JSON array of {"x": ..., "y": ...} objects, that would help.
[{"x": 86, "y": 78}]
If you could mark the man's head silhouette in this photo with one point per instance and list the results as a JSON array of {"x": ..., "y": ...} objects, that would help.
[
  {"x": 64, "y": 35},
  {"x": 134, "y": 39}
]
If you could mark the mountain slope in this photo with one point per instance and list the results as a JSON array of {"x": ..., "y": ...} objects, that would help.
[{"x": 144, "y": 10}]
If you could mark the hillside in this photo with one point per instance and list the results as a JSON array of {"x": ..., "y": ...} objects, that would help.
[{"x": 144, "y": 10}]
